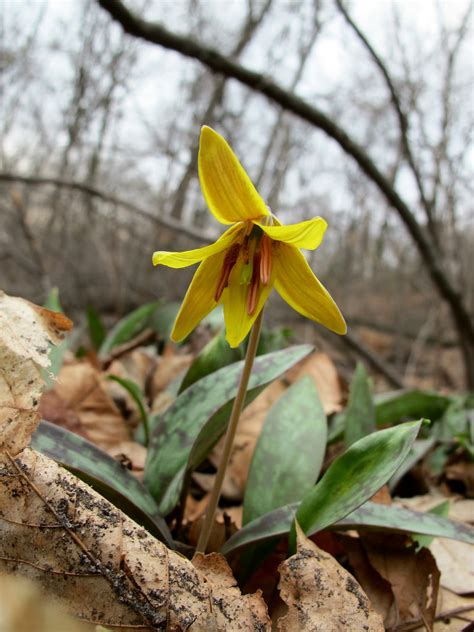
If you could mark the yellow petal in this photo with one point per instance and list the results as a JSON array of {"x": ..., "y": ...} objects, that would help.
[
  {"x": 237, "y": 321},
  {"x": 308, "y": 234},
  {"x": 299, "y": 287},
  {"x": 199, "y": 299},
  {"x": 189, "y": 257},
  {"x": 228, "y": 191}
]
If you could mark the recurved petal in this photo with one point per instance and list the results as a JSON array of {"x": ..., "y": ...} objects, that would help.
[
  {"x": 308, "y": 234},
  {"x": 237, "y": 321},
  {"x": 199, "y": 299},
  {"x": 189, "y": 257},
  {"x": 228, "y": 191},
  {"x": 298, "y": 286}
]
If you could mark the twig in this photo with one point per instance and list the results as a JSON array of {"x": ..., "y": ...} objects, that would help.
[
  {"x": 376, "y": 361},
  {"x": 157, "y": 34},
  {"x": 147, "y": 335},
  {"x": 415, "y": 623},
  {"x": 106, "y": 197}
]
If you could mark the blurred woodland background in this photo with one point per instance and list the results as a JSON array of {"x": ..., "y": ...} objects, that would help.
[{"x": 361, "y": 112}]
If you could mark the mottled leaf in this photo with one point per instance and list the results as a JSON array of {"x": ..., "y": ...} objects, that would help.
[
  {"x": 356, "y": 475},
  {"x": 391, "y": 408},
  {"x": 135, "y": 392},
  {"x": 196, "y": 420},
  {"x": 215, "y": 355},
  {"x": 103, "y": 473},
  {"x": 370, "y": 516},
  {"x": 289, "y": 451},
  {"x": 360, "y": 411}
]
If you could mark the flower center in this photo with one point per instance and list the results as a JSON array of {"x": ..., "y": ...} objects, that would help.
[{"x": 256, "y": 265}]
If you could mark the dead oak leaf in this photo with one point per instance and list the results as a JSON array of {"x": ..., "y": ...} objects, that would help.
[
  {"x": 101, "y": 566},
  {"x": 321, "y": 595},
  {"x": 26, "y": 333}
]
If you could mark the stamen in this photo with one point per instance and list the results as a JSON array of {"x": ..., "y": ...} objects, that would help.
[
  {"x": 230, "y": 260},
  {"x": 253, "y": 291},
  {"x": 266, "y": 260}
]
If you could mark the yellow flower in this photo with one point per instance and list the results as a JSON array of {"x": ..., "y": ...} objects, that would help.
[{"x": 254, "y": 255}]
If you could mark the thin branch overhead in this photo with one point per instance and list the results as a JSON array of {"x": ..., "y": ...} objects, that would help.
[{"x": 218, "y": 63}]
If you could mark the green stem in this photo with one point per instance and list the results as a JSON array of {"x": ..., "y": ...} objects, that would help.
[{"x": 229, "y": 438}]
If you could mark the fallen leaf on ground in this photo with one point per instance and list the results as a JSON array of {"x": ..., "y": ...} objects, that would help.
[
  {"x": 132, "y": 455},
  {"x": 83, "y": 390},
  {"x": 102, "y": 566},
  {"x": 321, "y": 595},
  {"x": 322, "y": 370},
  {"x": 452, "y": 559},
  {"x": 413, "y": 576},
  {"x": 376, "y": 587},
  {"x": 26, "y": 333}
]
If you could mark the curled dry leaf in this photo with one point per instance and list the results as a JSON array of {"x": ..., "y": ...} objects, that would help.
[
  {"x": 321, "y": 595},
  {"x": 413, "y": 576},
  {"x": 102, "y": 566},
  {"x": 84, "y": 392},
  {"x": 26, "y": 333}
]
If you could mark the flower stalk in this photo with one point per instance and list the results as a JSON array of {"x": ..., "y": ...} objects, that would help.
[{"x": 230, "y": 435}]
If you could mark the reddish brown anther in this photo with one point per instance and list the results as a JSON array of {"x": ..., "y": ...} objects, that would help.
[
  {"x": 253, "y": 291},
  {"x": 266, "y": 260},
  {"x": 230, "y": 260}
]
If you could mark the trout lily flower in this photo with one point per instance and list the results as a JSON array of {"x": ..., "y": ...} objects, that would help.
[{"x": 254, "y": 255}]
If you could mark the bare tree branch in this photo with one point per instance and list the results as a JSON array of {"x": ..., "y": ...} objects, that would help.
[
  {"x": 218, "y": 63},
  {"x": 102, "y": 195},
  {"x": 402, "y": 117}
]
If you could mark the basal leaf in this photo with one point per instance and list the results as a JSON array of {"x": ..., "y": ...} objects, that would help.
[
  {"x": 391, "y": 408},
  {"x": 128, "y": 327},
  {"x": 135, "y": 392},
  {"x": 370, "y": 516},
  {"x": 356, "y": 475},
  {"x": 197, "y": 419},
  {"x": 360, "y": 411},
  {"x": 289, "y": 452},
  {"x": 215, "y": 355},
  {"x": 97, "y": 333},
  {"x": 103, "y": 473}
]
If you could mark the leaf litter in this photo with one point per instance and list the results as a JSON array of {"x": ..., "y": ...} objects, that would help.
[{"x": 105, "y": 569}]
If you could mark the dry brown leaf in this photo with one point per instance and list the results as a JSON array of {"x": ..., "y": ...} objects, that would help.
[
  {"x": 26, "y": 333},
  {"x": 322, "y": 370},
  {"x": 219, "y": 577},
  {"x": 132, "y": 455},
  {"x": 461, "y": 609},
  {"x": 413, "y": 576},
  {"x": 55, "y": 410},
  {"x": 99, "y": 564},
  {"x": 450, "y": 555},
  {"x": 24, "y": 607},
  {"x": 455, "y": 561},
  {"x": 375, "y": 586},
  {"x": 321, "y": 595},
  {"x": 167, "y": 369},
  {"x": 84, "y": 391}
]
